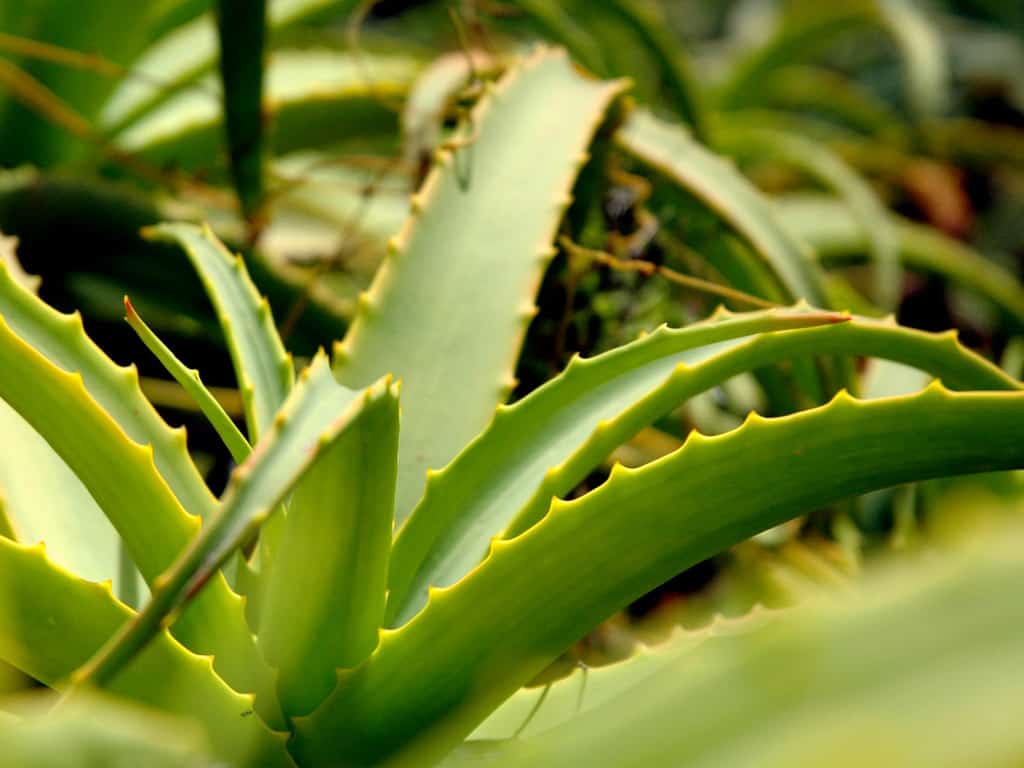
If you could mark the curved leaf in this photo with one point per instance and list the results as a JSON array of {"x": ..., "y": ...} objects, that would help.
[
  {"x": 264, "y": 370},
  {"x": 546, "y": 444},
  {"x": 121, "y": 475},
  {"x": 880, "y": 679},
  {"x": 448, "y": 309},
  {"x": 45, "y": 502},
  {"x": 590, "y": 557},
  {"x": 190, "y": 381},
  {"x": 669, "y": 150},
  {"x": 828, "y": 168},
  {"x": 310, "y": 421},
  {"x": 53, "y": 622},
  {"x": 100, "y": 729},
  {"x": 63, "y": 342}
]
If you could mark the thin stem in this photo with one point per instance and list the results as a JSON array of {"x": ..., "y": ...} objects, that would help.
[{"x": 650, "y": 269}]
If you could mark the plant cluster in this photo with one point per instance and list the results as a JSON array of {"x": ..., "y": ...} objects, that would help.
[{"x": 428, "y": 535}]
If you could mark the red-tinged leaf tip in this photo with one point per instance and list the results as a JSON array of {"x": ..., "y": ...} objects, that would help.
[{"x": 129, "y": 311}]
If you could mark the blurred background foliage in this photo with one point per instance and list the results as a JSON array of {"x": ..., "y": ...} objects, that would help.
[{"x": 889, "y": 136}]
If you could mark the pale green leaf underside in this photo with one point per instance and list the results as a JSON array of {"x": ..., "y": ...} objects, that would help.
[
  {"x": 45, "y": 502},
  {"x": 592, "y": 556},
  {"x": 53, "y": 622},
  {"x": 546, "y": 444},
  {"x": 669, "y": 150},
  {"x": 102, "y": 729},
  {"x": 263, "y": 368},
  {"x": 880, "y": 680},
  {"x": 448, "y": 309}
]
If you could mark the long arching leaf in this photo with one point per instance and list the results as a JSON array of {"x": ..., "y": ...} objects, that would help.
[
  {"x": 546, "y": 444},
  {"x": 432, "y": 681}
]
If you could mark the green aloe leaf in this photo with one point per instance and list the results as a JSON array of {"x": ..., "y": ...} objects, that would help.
[
  {"x": 837, "y": 238},
  {"x": 318, "y": 412},
  {"x": 263, "y": 367},
  {"x": 459, "y": 283},
  {"x": 242, "y": 32},
  {"x": 190, "y": 381},
  {"x": 334, "y": 552},
  {"x": 821, "y": 164},
  {"x": 54, "y": 621},
  {"x": 63, "y": 342},
  {"x": 120, "y": 473},
  {"x": 879, "y": 679},
  {"x": 45, "y": 502},
  {"x": 590, "y": 557},
  {"x": 669, "y": 150},
  {"x": 546, "y": 444}
]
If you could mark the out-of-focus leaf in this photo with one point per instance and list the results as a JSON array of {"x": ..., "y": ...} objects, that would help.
[{"x": 242, "y": 32}]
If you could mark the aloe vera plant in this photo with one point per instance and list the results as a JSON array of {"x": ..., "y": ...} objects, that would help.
[{"x": 405, "y": 547}]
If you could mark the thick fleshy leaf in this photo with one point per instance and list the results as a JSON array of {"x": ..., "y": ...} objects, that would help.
[
  {"x": 54, "y": 621},
  {"x": 318, "y": 412},
  {"x": 102, "y": 729},
  {"x": 431, "y": 682},
  {"x": 546, "y": 444},
  {"x": 123, "y": 478},
  {"x": 458, "y": 285},
  {"x": 62, "y": 341},
  {"x": 879, "y": 678},
  {"x": 334, "y": 552},
  {"x": 191, "y": 382}
]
